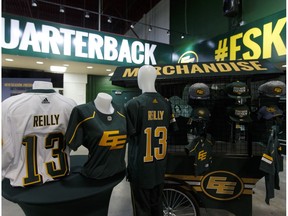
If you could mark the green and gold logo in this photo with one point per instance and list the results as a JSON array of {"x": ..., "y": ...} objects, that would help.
[
  {"x": 271, "y": 109},
  {"x": 113, "y": 139},
  {"x": 277, "y": 90},
  {"x": 188, "y": 57},
  {"x": 200, "y": 91},
  {"x": 202, "y": 155},
  {"x": 222, "y": 185}
]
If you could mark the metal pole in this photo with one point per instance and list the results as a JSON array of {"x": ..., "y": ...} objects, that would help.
[{"x": 99, "y": 15}]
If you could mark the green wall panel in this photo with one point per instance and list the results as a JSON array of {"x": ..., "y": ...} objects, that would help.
[
  {"x": 97, "y": 84},
  {"x": 258, "y": 9},
  {"x": 205, "y": 19}
]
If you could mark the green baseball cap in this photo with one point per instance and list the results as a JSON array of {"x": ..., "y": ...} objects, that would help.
[
  {"x": 273, "y": 89},
  {"x": 199, "y": 91}
]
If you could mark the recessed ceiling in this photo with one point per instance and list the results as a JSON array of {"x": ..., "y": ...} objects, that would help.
[
  {"x": 74, "y": 15},
  {"x": 72, "y": 67},
  {"x": 121, "y": 11}
]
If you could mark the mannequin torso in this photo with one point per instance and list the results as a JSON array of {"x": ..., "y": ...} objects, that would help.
[
  {"x": 103, "y": 103},
  {"x": 92, "y": 125}
]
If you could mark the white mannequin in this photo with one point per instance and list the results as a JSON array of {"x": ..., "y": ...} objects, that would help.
[
  {"x": 103, "y": 103},
  {"x": 42, "y": 85},
  {"x": 146, "y": 78}
]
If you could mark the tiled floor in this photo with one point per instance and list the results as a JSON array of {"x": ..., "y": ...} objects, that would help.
[{"x": 120, "y": 203}]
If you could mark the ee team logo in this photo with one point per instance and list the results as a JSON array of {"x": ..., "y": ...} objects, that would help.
[
  {"x": 188, "y": 57},
  {"x": 222, "y": 185}
]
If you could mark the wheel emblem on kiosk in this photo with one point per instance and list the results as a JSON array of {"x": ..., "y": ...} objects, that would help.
[
  {"x": 188, "y": 57},
  {"x": 222, "y": 185}
]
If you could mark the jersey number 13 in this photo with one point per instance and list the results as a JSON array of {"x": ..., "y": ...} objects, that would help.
[
  {"x": 30, "y": 143},
  {"x": 159, "y": 153}
]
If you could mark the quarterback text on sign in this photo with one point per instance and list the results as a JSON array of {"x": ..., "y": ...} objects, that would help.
[{"x": 68, "y": 42}]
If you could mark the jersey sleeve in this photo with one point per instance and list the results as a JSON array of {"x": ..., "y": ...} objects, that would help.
[
  {"x": 132, "y": 116},
  {"x": 74, "y": 133},
  {"x": 6, "y": 142}
]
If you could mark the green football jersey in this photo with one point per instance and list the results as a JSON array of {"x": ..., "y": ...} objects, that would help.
[
  {"x": 201, "y": 148},
  {"x": 148, "y": 118},
  {"x": 103, "y": 135},
  {"x": 270, "y": 163}
]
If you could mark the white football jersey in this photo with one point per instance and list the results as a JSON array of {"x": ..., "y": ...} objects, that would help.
[{"x": 33, "y": 128}]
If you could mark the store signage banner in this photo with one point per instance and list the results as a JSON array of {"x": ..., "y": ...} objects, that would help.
[
  {"x": 30, "y": 37},
  {"x": 262, "y": 39},
  {"x": 201, "y": 70}
]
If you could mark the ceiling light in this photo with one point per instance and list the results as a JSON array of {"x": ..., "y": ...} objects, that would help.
[
  {"x": 132, "y": 26},
  {"x": 111, "y": 74},
  {"x": 182, "y": 36},
  {"x": 59, "y": 69},
  {"x": 150, "y": 28},
  {"x": 87, "y": 15},
  {"x": 89, "y": 67},
  {"x": 62, "y": 9},
  {"x": 109, "y": 20},
  {"x": 9, "y": 59},
  {"x": 34, "y": 3},
  {"x": 39, "y": 62}
]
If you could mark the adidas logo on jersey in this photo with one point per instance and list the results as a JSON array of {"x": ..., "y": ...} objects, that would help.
[
  {"x": 155, "y": 101},
  {"x": 45, "y": 101}
]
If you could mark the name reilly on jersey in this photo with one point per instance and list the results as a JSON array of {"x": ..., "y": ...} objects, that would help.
[
  {"x": 45, "y": 120},
  {"x": 155, "y": 115}
]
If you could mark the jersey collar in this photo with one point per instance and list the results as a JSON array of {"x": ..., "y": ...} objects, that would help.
[{"x": 41, "y": 91}]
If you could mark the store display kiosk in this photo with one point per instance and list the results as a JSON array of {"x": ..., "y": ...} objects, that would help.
[{"x": 238, "y": 142}]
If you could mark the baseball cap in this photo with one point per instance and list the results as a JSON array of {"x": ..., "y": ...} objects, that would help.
[
  {"x": 199, "y": 91},
  {"x": 200, "y": 113},
  {"x": 239, "y": 113},
  {"x": 237, "y": 90},
  {"x": 273, "y": 88},
  {"x": 269, "y": 112}
]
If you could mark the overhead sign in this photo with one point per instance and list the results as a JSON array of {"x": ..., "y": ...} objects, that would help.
[
  {"x": 262, "y": 39},
  {"x": 200, "y": 70},
  {"x": 30, "y": 37}
]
